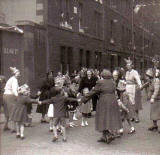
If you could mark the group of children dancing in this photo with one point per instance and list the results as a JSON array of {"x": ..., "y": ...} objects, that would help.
[{"x": 64, "y": 101}]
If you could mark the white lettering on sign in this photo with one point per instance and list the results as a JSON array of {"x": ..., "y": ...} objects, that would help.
[{"x": 12, "y": 51}]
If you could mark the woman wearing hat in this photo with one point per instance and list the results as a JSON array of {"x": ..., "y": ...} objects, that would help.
[
  {"x": 132, "y": 81},
  {"x": 154, "y": 96},
  {"x": 108, "y": 119},
  {"x": 10, "y": 95}
]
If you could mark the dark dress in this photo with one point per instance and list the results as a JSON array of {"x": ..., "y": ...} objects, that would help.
[
  {"x": 45, "y": 94},
  {"x": 89, "y": 83},
  {"x": 19, "y": 113},
  {"x": 107, "y": 112}
]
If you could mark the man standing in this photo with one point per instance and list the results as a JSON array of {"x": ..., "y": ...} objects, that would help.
[{"x": 132, "y": 80}]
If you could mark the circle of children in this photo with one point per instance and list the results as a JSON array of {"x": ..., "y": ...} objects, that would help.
[{"x": 115, "y": 98}]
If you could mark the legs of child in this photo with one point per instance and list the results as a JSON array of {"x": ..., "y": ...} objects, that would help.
[
  {"x": 18, "y": 130},
  {"x": 51, "y": 124},
  {"x": 55, "y": 138},
  {"x": 71, "y": 118},
  {"x": 136, "y": 116},
  {"x": 13, "y": 127},
  {"x": 22, "y": 131},
  {"x": 64, "y": 133},
  {"x": 84, "y": 120},
  {"x": 6, "y": 124}
]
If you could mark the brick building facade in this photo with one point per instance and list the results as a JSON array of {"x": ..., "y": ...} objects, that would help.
[{"x": 94, "y": 33}]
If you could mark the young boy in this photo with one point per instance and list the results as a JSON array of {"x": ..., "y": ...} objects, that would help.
[{"x": 59, "y": 101}]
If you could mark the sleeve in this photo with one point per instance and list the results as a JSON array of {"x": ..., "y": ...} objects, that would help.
[
  {"x": 49, "y": 101},
  {"x": 15, "y": 87},
  {"x": 29, "y": 100},
  {"x": 81, "y": 85},
  {"x": 94, "y": 91},
  {"x": 137, "y": 78},
  {"x": 156, "y": 88}
]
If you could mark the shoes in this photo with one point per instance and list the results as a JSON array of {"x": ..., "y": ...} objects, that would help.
[
  {"x": 28, "y": 125},
  {"x": 132, "y": 131},
  {"x": 118, "y": 135},
  {"x": 110, "y": 139},
  {"x": 153, "y": 128},
  {"x": 74, "y": 118},
  {"x": 64, "y": 140},
  {"x": 71, "y": 124},
  {"x": 137, "y": 121},
  {"x": 44, "y": 121},
  {"x": 17, "y": 136},
  {"x": 50, "y": 130},
  {"x": 22, "y": 137},
  {"x": 102, "y": 139},
  {"x": 54, "y": 139},
  {"x": 82, "y": 124},
  {"x": 86, "y": 123},
  {"x": 132, "y": 119}
]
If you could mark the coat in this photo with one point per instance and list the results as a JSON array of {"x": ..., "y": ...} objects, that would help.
[
  {"x": 19, "y": 113},
  {"x": 60, "y": 104},
  {"x": 155, "y": 94},
  {"x": 107, "y": 110}
]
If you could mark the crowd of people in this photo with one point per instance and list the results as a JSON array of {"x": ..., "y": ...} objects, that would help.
[{"x": 113, "y": 97}]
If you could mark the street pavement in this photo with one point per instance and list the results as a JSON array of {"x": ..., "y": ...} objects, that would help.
[{"x": 82, "y": 140}]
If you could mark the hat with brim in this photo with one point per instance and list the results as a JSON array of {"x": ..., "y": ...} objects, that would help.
[
  {"x": 23, "y": 89},
  {"x": 14, "y": 70}
]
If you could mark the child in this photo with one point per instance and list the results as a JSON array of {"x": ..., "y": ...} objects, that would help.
[
  {"x": 51, "y": 110},
  {"x": 59, "y": 102},
  {"x": 70, "y": 91},
  {"x": 85, "y": 108},
  {"x": 19, "y": 114},
  {"x": 127, "y": 111}
]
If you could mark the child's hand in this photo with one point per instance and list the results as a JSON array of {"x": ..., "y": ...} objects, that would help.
[
  {"x": 151, "y": 100},
  {"x": 39, "y": 93},
  {"x": 79, "y": 94},
  {"x": 39, "y": 103}
]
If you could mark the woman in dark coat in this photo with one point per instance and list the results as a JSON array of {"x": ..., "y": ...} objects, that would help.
[
  {"x": 108, "y": 117},
  {"x": 45, "y": 88}
]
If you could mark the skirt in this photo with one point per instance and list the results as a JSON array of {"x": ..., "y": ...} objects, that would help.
[
  {"x": 86, "y": 108},
  {"x": 20, "y": 114},
  {"x": 155, "y": 110},
  {"x": 9, "y": 104}
]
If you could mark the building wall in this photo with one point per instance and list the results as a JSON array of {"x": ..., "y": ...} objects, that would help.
[
  {"x": 12, "y": 54},
  {"x": 16, "y": 10}
]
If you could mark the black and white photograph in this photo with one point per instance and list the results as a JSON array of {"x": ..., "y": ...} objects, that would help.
[{"x": 79, "y": 77}]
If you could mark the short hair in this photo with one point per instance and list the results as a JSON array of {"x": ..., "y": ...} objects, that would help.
[{"x": 106, "y": 74}]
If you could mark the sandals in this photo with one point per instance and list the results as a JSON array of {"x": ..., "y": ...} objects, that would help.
[{"x": 153, "y": 128}]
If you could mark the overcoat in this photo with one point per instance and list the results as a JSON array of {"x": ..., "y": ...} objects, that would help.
[
  {"x": 107, "y": 110},
  {"x": 155, "y": 94}
]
